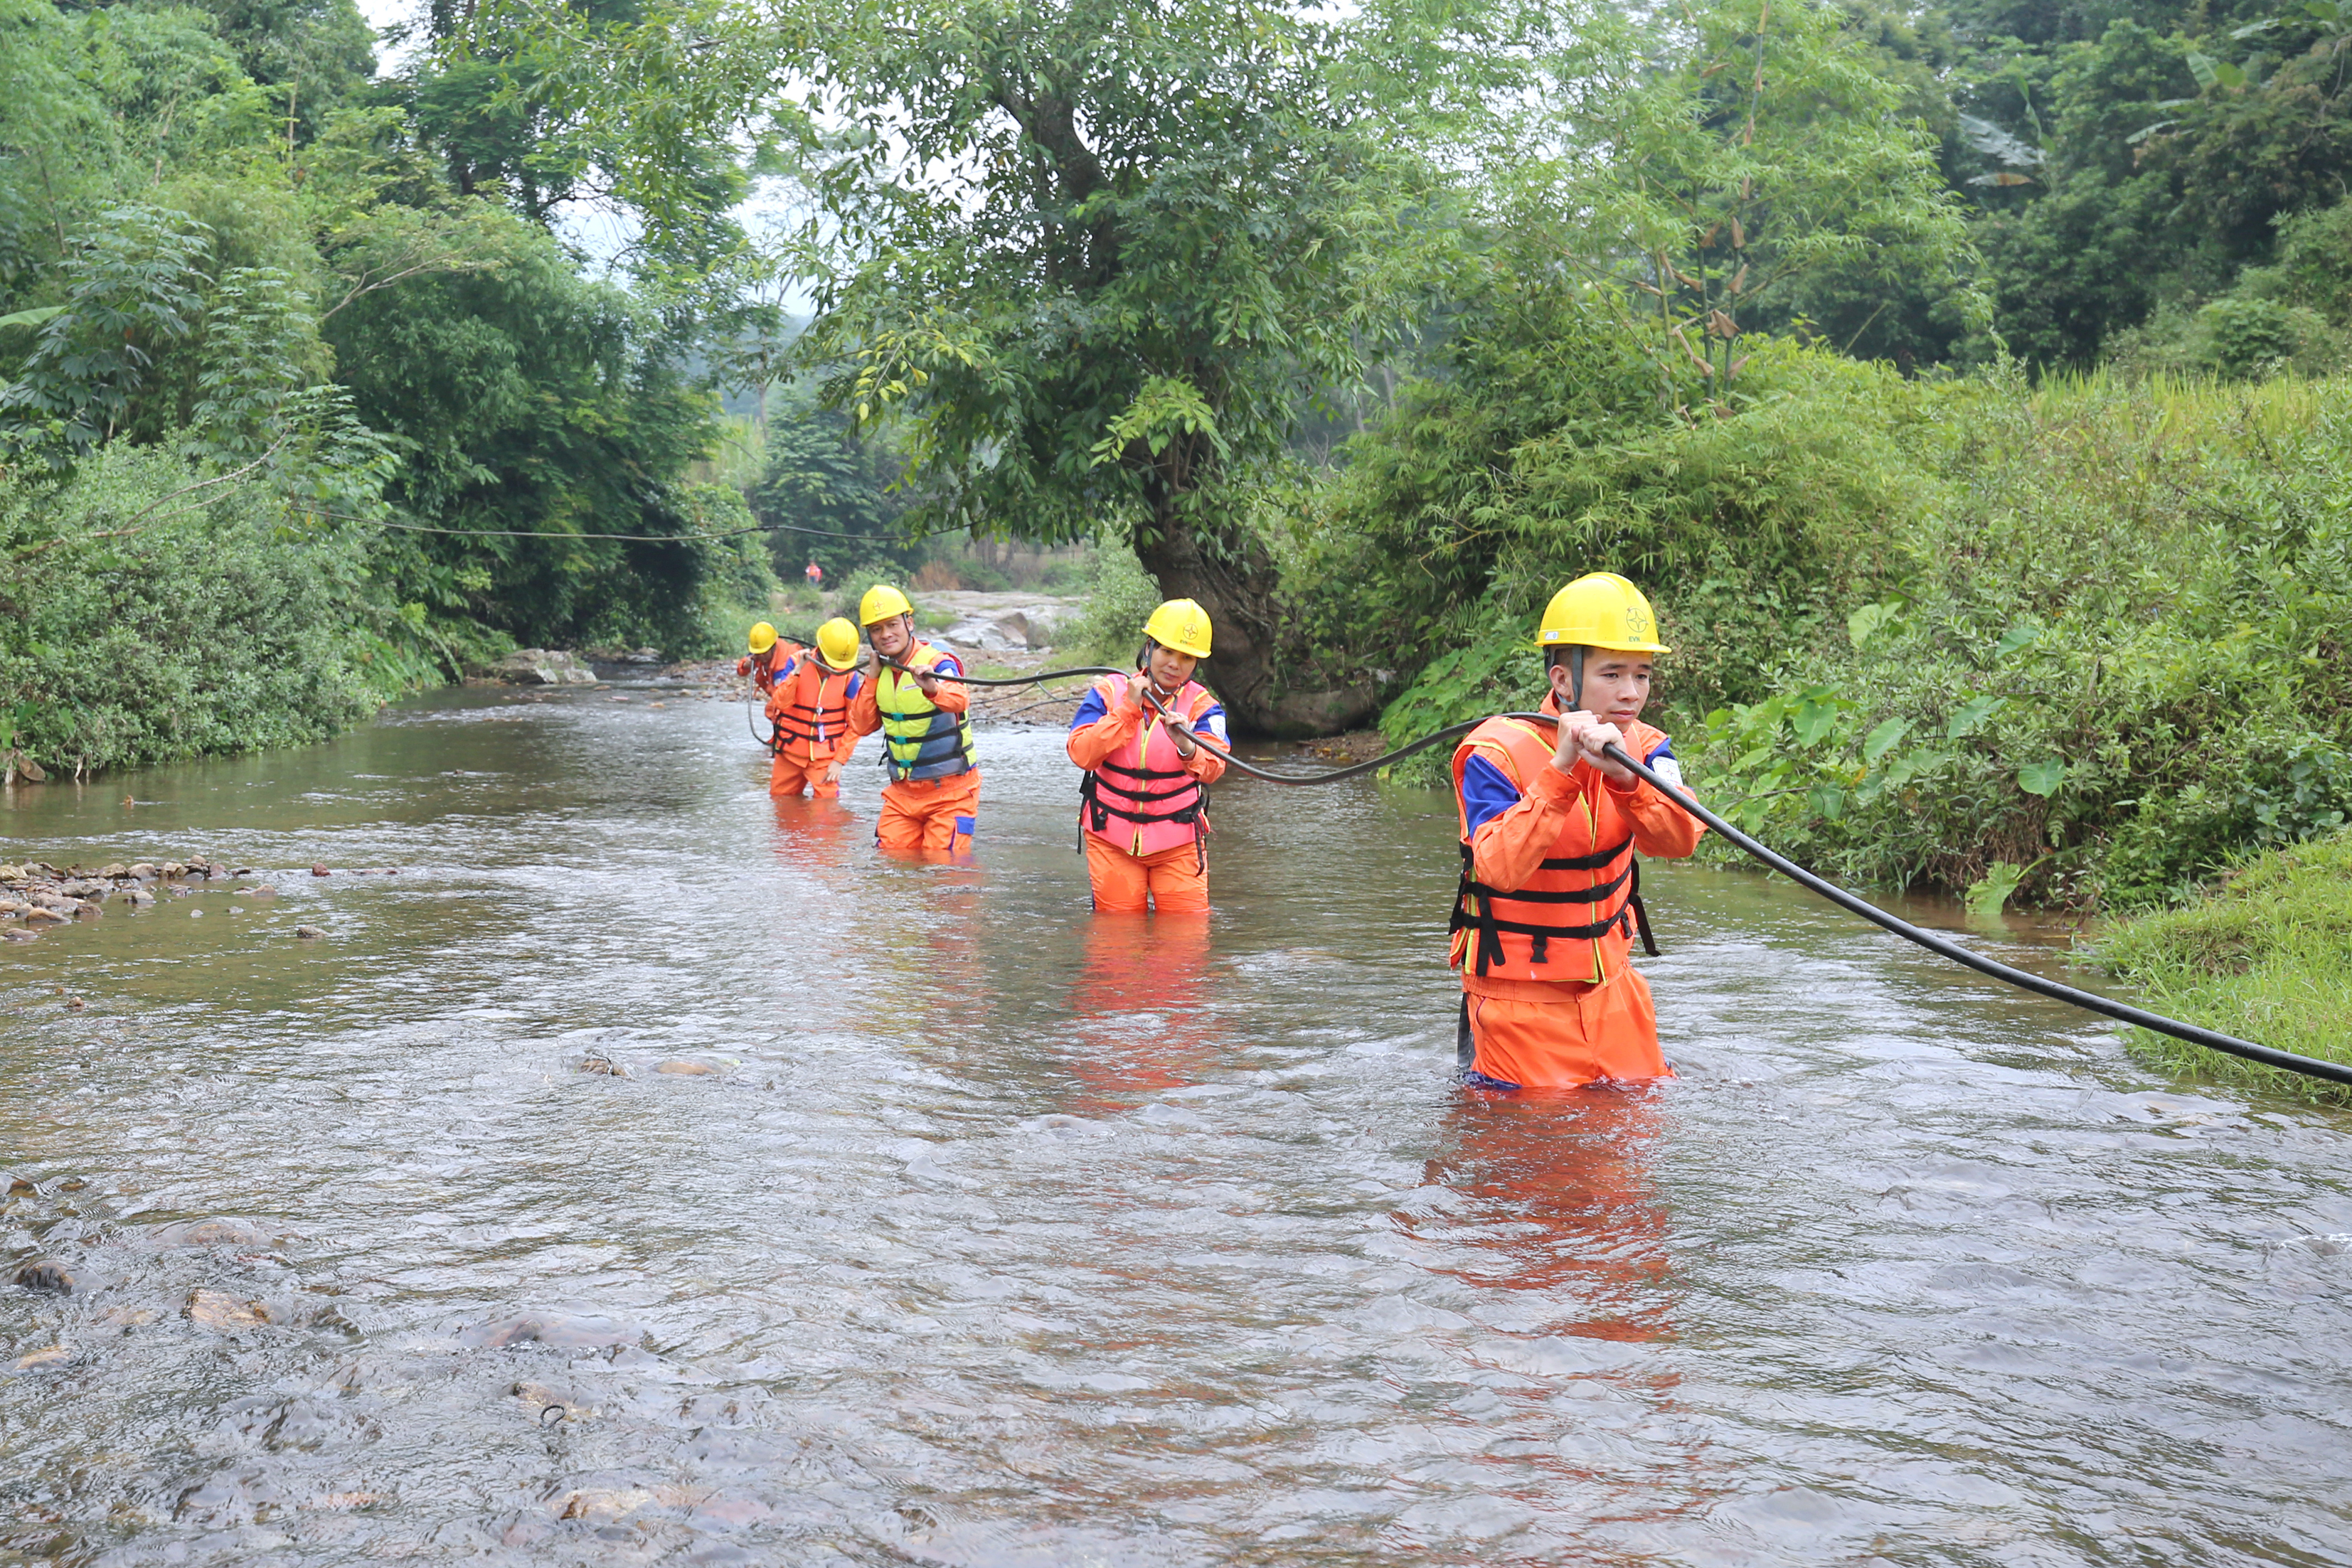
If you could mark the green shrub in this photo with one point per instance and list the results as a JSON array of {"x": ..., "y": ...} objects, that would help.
[
  {"x": 137, "y": 626},
  {"x": 1121, "y": 598},
  {"x": 2084, "y": 642},
  {"x": 2266, "y": 957}
]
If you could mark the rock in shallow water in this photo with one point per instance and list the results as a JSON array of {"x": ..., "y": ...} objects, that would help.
[
  {"x": 44, "y": 1274},
  {"x": 543, "y": 667},
  {"x": 219, "y": 1310},
  {"x": 687, "y": 1069},
  {"x": 552, "y": 1329}
]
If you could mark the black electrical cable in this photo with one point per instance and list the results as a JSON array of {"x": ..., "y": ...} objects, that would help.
[{"x": 1944, "y": 946}]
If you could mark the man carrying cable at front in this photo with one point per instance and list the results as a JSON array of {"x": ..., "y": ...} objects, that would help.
[
  {"x": 1141, "y": 809},
  {"x": 810, "y": 710},
  {"x": 1551, "y": 896},
  {"x": 912, "y": 696}
]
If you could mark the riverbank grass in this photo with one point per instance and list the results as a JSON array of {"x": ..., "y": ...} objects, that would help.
[{"x": 2266, "y": 957}]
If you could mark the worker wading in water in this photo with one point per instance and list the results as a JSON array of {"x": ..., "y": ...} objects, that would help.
[
  {"x": 1143, "y": 807},
  {"x": 1551, "y": 896},
  {"x": 809, "y": 708},
  {"x": 767, "y": 656},
  {"x": 930, "y": 806}
]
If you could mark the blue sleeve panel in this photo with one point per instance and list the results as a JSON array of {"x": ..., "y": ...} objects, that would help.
[
  {"x": 1665, "y": 748},
  {"x": 947, "y": 665},
  {"x": 1487, "y": 793},
  {"x": 1212, "y": 723},
  {"x": 788, "y": 666},
  {"x": 857, "y": 685},
  {"x": 1091, "y": 710}
]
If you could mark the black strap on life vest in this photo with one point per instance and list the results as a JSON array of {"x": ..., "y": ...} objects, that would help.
[
  {"x": 1099, "y": 812},
  {"x": 1473, "y": 907}
]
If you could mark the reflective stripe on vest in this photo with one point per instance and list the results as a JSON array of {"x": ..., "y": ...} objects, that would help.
[
  {"x": 1144, "y": 783},
  {"x": 1577, "y": 916},
  {"x": 925, "y": 740},
  {"x": 811, "y": 724}
]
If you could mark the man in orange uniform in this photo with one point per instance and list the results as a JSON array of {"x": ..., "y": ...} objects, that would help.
[
  {"x": 930, "y": 805},
  {"x": 1551, "y": 896},
  {"x": 766, "y": 653},
  {"x": 810, "y": 710},
  {"x": 1142, "y": 810}
]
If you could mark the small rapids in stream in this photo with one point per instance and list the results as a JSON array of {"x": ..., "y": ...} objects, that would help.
[{"x": 964, "y": 1228}]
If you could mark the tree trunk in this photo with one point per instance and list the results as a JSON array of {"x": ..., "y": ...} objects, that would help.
[{"x": 1247, "y": 669}]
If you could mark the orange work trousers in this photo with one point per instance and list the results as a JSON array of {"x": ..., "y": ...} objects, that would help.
[
  {"x": 1173, "y": 881},
  {"x": 787, "y": 777},
  {"x": 930, "y": 817},
  {"x": 1588, "y": 1034}
]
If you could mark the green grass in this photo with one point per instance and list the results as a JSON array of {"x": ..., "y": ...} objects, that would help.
[{"x": 2266, "y": 957}]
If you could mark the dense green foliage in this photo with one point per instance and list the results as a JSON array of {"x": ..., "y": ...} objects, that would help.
[
  {"x": 2092, "y": 632},
  {"x": 2266, "y": 957},
  {"x": 141, "y": 621},
  {"x": 235, "y": 263},
  {"x": 819, "y": 473}
]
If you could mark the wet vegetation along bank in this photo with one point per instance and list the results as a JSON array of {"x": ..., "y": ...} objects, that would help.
[{"x": 1966, "y": 388}]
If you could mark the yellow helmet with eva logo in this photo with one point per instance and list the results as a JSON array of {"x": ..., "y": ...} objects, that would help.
[
  {"x": 881, "y": 602},
  {"x": 836, "y": 643},
  {"x": 1601, "y": 609},
  {"x": 1180, "y": 624},
  {"x": 763, "y": 637}
]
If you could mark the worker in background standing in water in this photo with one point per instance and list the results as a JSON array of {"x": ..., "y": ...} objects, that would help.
[
  {"x": 767, "y": 652},
  {"x": 911, "y": 694},
  {"x": 1142, "y": 808},
  {"x": 1550, "y": 895},
  {"x": 810, "y": 710}
]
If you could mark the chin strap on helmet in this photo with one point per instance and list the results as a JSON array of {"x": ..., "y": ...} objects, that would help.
[{"x": 1576, "y": 677}]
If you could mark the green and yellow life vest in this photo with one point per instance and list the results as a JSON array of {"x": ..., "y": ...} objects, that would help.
[{"x": 924, "y": 740}]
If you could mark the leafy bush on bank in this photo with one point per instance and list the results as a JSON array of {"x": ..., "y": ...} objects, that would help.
[
  {"x": 138, "y": 625},
  {"x": 2086, "y": 642},
  {"x": 2266, "y": 957}
]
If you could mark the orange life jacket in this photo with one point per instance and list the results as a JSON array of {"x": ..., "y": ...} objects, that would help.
[
  {"x": 1576, "y": 917},
  {"x": 810, "y": 708},
  {"x": 1144, "y": 784}
]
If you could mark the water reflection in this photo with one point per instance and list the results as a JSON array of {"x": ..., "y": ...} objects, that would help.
[
  {"x": 1141, "y": 1015},
  {"x": 1555, "y": 1196}
]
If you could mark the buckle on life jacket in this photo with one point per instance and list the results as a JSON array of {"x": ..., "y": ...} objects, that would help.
[{"x": 1473, "y": 909}]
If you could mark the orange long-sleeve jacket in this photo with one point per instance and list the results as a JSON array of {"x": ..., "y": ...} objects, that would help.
[{"x": 1519, "y": 812}]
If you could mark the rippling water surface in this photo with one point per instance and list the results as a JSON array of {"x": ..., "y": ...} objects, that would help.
[{"x": 998, "y": 1234}]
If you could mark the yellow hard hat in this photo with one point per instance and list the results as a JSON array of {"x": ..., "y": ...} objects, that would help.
[
  {"x": 836, "y": 643},
  {"x": 1180, "y": 624},
  {"x": 763, "y": 637},
  {"x": 881, "y": 602},
  {"x": 1601, "y": 609}
]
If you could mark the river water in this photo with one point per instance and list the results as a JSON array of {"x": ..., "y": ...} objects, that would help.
[{"x": 999, "y": 1234}]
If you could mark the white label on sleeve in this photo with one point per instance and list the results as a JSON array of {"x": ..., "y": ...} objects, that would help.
[{"x": 1667, "y": 768}]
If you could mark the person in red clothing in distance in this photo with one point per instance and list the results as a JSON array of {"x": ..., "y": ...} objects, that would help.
[
  {"x": 1143, "y": 809},
  {"x": 1551, "y": 896}
]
